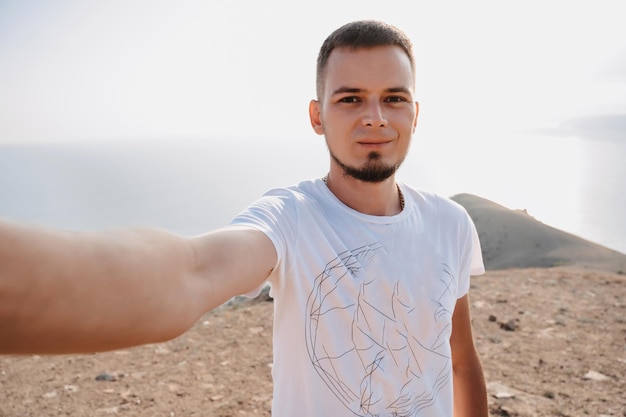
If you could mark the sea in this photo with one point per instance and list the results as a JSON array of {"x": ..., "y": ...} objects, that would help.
[{"x": 193, "y": 185}]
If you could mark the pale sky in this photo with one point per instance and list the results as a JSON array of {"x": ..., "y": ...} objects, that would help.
[
  {"x": 239, "y": 77},
  {"x": 82, "y": 70}
]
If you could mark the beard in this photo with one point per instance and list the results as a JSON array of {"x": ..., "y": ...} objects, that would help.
[{"x": 373, "y": 171}]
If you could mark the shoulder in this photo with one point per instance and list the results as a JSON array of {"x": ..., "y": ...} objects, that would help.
[
  {"x": 433, "y": 203},
  {"x": 305, "y": 191},
  {"x": 278, "y": 213},
  {"x": 284, "y": 201}
]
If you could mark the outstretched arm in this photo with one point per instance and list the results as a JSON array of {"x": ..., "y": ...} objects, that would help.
[
  {"x": 470, "y": 397},
  {"x": 72, "y": 292}
]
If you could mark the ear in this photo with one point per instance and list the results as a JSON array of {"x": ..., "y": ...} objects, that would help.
[
  {"x": 417, "y": 112},
  {"x": 315, "y": 114}
]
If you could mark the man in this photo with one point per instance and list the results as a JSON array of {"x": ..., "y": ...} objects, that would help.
[{"x": 369, "y": 277}]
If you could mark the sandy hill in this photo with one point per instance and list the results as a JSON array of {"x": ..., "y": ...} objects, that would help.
[
  {"x": 551, "y": 341},
  {"x": 514, "y": 239}
]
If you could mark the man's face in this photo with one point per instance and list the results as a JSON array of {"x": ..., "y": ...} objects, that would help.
[{"x": 367, "y": 111}]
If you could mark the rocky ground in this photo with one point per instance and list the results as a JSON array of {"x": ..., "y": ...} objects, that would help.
[{"x": 553, "y": 343}]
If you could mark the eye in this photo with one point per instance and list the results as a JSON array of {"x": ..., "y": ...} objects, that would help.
[
  {"x": 395, "y": 99},
  {"x": 349, "y": 99}
]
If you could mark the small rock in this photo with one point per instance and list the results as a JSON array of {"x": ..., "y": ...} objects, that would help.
[
  {"x": 499, "y": 391},
  {"x": 105, "y": 376},
  {"x": 595, "y": 376},
  {"x": 503, "y": 395},
  {"x": 175, "y": 388},
  {"x": 50, "y": 394},
  {"x": 71, "y": 388},
  {"x": 509, "y": 326},
  {"x": 511, "y": 402},
  {"x": 108, "y": 410}
]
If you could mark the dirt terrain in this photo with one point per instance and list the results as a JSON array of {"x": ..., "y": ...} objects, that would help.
[{"x": 552, "y": 340}]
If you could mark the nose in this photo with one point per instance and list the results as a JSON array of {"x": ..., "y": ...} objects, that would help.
[{"x": 374, "y": 116}]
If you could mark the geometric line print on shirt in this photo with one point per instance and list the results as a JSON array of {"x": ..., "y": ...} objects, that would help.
[{"x": 368, "y": 343}]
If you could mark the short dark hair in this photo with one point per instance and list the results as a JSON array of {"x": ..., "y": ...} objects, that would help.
[{"x": 361, "y": 34}]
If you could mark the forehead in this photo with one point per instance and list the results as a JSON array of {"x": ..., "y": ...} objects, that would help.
[{"x": 368, "y": 68}]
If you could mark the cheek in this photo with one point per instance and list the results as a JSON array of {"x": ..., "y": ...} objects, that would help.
[
  {"x": 406, "y": 119},
  {"x": 336, "y": 126},
  {"x": 406, "y": 128}
]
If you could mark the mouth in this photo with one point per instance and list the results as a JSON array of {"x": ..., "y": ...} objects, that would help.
[{"x": 374, "y": 144}]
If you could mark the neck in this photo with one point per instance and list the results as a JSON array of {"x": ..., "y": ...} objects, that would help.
[{"x": 377, "y": 199}]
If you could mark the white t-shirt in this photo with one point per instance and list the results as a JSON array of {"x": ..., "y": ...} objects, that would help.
[{"x": 363, "y": 304}]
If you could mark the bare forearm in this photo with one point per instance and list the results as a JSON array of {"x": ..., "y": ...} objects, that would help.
[
  {"x": 66, "y": 292},
  {"x": 470, "y": 394}
]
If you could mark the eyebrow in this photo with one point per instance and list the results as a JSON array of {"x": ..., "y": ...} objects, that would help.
[{"x": 352, "y": 90}]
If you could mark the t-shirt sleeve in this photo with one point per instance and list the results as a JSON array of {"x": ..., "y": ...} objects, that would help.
[
  {"x": 274, "y": 215},
  {"x": 471, "y": 259},
  {"x": 477, "y": 265}
]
